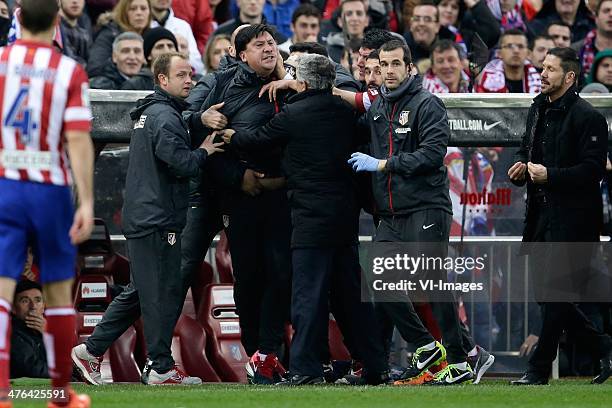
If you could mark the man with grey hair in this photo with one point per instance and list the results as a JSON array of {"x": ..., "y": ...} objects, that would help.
[
  {"x": 128, "y": 59},
  {"x": 317, "y": 129}
]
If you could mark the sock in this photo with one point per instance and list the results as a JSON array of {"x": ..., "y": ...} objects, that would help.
[
  {"x": 5, "y": 346},
  {"x": 473, "y": 352},
  {"x": 60, "y": 337},
  {"x": 429, "y": 346}
]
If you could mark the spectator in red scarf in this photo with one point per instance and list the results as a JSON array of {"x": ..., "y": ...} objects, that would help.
[
  {"x": 511, "y": 72},
  {"x": 446, "y": 74}
]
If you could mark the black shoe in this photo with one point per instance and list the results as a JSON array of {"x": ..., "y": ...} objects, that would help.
[
  {"x": 531, "y": 379},
  {"x": 297, "y": 380},
  {"x": 365, "y": 379},
  {"x": 335, "y": 370},
  {"x": 606, "y": 370}
]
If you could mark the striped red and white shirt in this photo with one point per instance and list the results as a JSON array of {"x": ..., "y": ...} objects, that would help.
[{"x": 42, "y": 95}]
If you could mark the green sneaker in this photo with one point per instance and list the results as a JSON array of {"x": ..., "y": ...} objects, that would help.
[
  {"x": 422, "y": 359},
  {"x": 454, "y": 374}
]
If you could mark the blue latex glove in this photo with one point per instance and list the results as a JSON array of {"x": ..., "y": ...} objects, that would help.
[{"x": 363, "y": 162}]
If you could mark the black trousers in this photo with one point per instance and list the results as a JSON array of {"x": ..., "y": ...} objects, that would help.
[
  {"x": 558, "y": 316},
  {"x": 324, "y": 278},
  {"x": 203, "y": 224},
  {"x": 402, "y": 315},
  {"x": 259, "y": 235},
  {"x": 156, "y": 292}
]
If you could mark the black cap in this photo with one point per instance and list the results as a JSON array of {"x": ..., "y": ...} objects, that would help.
[
  {"x": 26, "y": 284},
  {"x": 153, "y": 35}
]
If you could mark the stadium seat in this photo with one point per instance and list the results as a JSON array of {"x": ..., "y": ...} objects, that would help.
[
  {"x": 337, "y": 349},
  {"x": 201, "y": 280},
  {"x": 189, "y": 349},
  {"x": 217, "y": 314},
  {"x": 118, "y": 364},
  {"x": 120, "y": 357},
  {"x": 95, "y": 262},
  {"x": 223, "y": 260}
]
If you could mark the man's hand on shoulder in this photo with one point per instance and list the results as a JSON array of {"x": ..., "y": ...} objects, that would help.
[{"x": 214, "y": 119}]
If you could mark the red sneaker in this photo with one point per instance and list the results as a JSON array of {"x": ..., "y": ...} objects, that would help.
[
  {"x": 264, "y": 371},
  {"x": 87, "y": 365}
]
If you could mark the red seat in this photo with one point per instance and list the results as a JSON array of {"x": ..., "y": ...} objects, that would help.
[
  {"x": 95, "y": 262},
  {"x": 86, "y": 322},
  {"x": 92, "y": 293},
  {"x": 120, "y": 357},
  {"x": 217, "y": 314},
  {"x": 203, "y": 277},
  {"x": 189, "y": 349},
  {"x": 337, "y": 349},
  {"x": 223, "y": 259}
]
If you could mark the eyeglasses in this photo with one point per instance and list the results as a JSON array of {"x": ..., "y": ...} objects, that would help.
[
  {"x": 425, "y": 19},
  {"x": 519, "y": 47}
]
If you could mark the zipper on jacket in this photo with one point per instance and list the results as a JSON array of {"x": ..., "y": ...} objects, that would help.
[{"x": 390, "y": 154}]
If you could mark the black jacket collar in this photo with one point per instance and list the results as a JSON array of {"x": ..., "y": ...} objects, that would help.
[
  {"x": 410, "y": 86},
  {"x": 563, "y": 103}
]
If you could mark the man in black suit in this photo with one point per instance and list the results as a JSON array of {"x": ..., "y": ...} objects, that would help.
[{"x": 562, "y": 160}]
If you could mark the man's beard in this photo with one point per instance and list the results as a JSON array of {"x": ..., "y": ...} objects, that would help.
[{"x": 552, "y": 88}]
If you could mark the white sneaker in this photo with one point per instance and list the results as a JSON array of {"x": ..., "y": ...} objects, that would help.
[
  {"x": 87, "y": 365},
  {"x": 171, "y": 377}
]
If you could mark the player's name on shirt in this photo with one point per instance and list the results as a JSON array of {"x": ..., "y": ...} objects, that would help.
[
  {"x": 27, "y": 159},
  {"x": 28, "y": 71}
]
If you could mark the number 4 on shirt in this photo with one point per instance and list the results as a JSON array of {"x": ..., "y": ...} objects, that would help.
[{"x": 20, "y": 117}]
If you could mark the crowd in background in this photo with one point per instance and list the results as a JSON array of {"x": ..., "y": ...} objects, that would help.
[{"x": 499, "y": 45}]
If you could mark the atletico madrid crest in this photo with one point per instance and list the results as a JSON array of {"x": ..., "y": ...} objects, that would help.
[
  {"x": 171, "y": 238},
  {"x": 403, "y": 117}
]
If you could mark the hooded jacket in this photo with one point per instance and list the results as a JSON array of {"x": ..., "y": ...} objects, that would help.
[
  {"x": 598, "y": 58},
  {"x": 239, "y": 88},
  {"x": 409, "y": 128},
  {"x": 161, "y": 162}
]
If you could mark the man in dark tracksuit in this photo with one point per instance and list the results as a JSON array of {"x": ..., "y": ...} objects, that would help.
[
  {"x": 318, "y": 130},
  {"x": 409, "y": 134},
  {"x": 562, "y": 159},
  {"x": 154, "y": 212},
  {"x": 258, "y": 227}
]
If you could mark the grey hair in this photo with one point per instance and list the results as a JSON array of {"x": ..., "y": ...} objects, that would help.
[
  {"x": 317, "y": 71},
  {"x": 128, "y": 35}
]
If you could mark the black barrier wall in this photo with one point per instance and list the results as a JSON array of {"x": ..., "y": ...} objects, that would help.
[{"x": 475, "y": 119}]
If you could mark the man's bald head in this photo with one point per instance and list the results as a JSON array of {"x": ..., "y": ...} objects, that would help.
[{"x": 232, "y": 47}]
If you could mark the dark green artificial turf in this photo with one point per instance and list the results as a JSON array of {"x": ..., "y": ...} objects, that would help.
[{"x": 491, "y": 393}]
